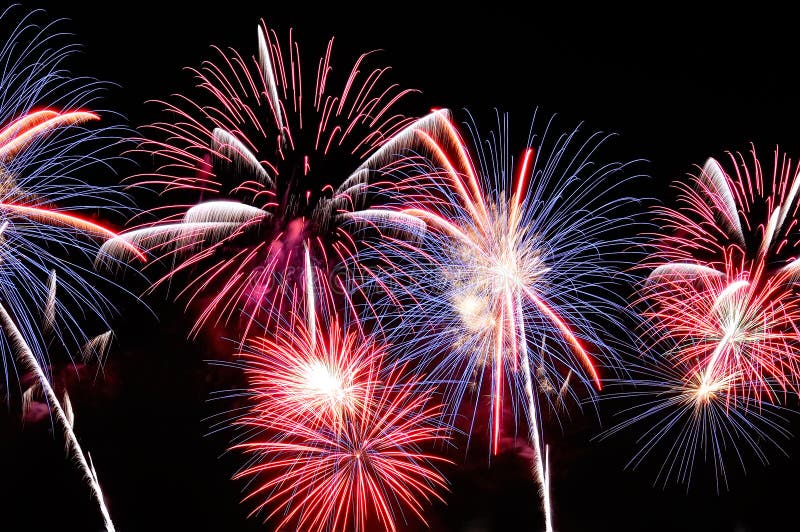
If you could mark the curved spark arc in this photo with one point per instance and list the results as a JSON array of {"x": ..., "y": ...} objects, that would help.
[
  {"x": 25, "y": 124},
  {"x": 69, "y": 220},
  {"x": 486, "y": 243},
  {"x": 265, "y": 138},
  {"x": 20, "y": 134},
  {"x": 729, "y": 334}
]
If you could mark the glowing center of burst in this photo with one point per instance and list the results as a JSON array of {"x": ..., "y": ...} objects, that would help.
[
  {"x": 506, "y": 273},
  {"x": 512, "y": 269},
  {"x": 474, "y": 312},
  {"x": 706, "y": 391},
  {"x": 708, "y": 388},
  {"x": 320, "y": 381},
  {"x": 734, "y": 332}
]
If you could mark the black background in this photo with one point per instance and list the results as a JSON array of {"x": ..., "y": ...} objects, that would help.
[{"x": 676, "y": 84}]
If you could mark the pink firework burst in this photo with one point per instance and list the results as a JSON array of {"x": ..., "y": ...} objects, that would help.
[
  {"x": 726, "y": 281},
  {"x": 267, "y": 160}
]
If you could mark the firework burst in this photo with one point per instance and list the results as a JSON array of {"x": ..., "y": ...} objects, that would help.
[
  {"x": 272, "y": 159},
  {"x": 335, "y": 439},
  {"x": 511, "y": 258},
  {"x": 45, "y": 141},
  {"x": 721, "y": 307}
]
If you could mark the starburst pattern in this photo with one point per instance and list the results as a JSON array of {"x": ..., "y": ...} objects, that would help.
[
  {"x": 511, "y": 259},
  {"x": 272, "y": 159},
  {"x": 721, "y": 308},
  {"x": 336, "y": 440}
]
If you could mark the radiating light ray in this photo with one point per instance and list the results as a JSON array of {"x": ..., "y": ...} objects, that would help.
[
  {"x": 541, "y": 466},
  {"x": 27, "y": 360}
]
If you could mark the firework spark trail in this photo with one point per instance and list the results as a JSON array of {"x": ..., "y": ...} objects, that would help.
[
  {"x": 257, "y": 156},
  {"x": 506, "y": 252},
  {"x": 720, "y": 308},
  {"x": 335, "y": 438},
  {"x": 535, "y": 438},
  {"x": 28, "y": 361}
]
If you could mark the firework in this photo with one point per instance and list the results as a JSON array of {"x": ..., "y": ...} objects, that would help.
[
  {"x": 45, "y": 141},
  {"x": 335, "y": 439},
  {"x": 511, "y": 259},
  {"x": 721, "y": 309},
  {"x": 269, "y": 160},
  {"x": 64, "y": 418}
]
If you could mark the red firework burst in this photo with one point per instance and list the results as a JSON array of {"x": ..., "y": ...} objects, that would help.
[
  {"x": 725, "y": 281},
  {"x": 317, "y": 377},
  {"x": 721, "y": 308},
  {"x": 269, "y": 160},
  {"x": 335, "y": 440},
  {"x": 342, "y": 476}
]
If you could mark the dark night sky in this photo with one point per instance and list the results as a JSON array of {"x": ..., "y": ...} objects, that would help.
[{"x": 677, "y": 85}]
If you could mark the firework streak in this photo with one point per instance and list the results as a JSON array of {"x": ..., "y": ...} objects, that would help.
[
  {"x": 29, "y": 363},
  {"x": 510, "y": 259},
  {"x": 41, "y": 150},
  {"x": 721, "y": 311}
]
